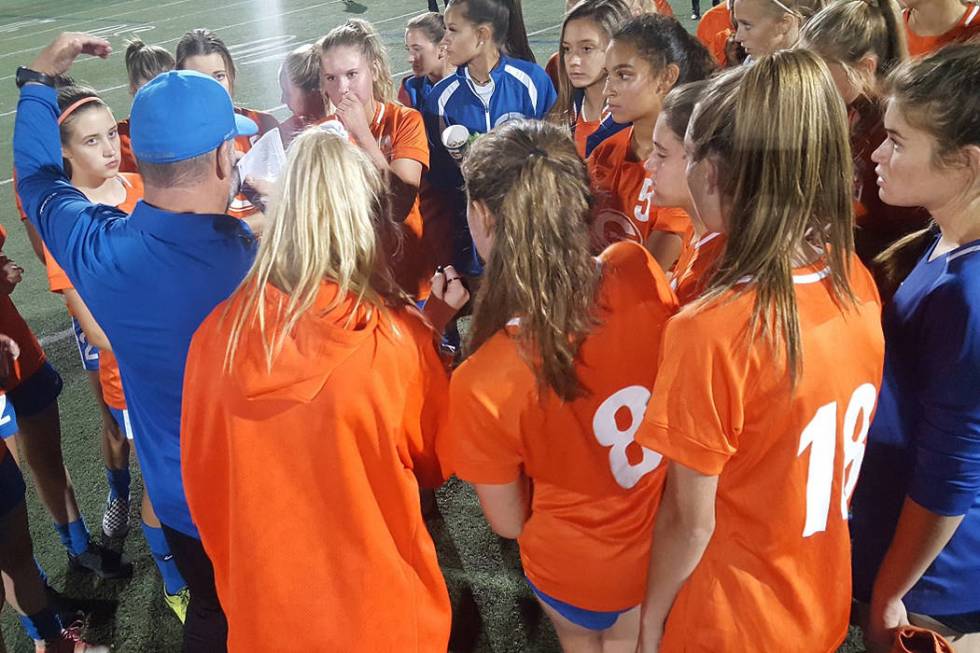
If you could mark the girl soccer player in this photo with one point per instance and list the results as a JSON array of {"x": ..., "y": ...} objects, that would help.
[
  {"x": 646, "y": 58},
  {"x": 32, "y": 429},
  {"x": 91, "y": 150},
  {"x": 203, "y": 51},
  {"x": 491, "y": 85},
  {"x": 299, "y": 79},
  {"x": 667, "y": 166},
  {"x": 931, "y": 24},
  {"x": 916, "y": 517},
  {"x": 427, "y": 56},
  {"x": 585, "y": 35},
  {"x": 319, "y": 346},
  {"x": 356, "y": 79},
  {"x": 861, "y": 41},
  {"x": 22, "y": 584},
  {"x": 537, "y": 404},
  {"x": 768, "y": 382},
  {"x": 143, "y": 63},
  {"x": 764, "y": 26}
]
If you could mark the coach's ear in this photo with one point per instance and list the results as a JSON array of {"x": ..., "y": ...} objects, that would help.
[{"x": 225, "y": 160}]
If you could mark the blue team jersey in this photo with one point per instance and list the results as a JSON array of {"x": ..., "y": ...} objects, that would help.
[
  {"x": 925, "y": 439},
  {"x": 414, "y": 90},
  {"x": 521, "y": 90}
]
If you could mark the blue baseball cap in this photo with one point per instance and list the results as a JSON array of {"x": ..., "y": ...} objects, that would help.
[{"x": 182, "y": 114}]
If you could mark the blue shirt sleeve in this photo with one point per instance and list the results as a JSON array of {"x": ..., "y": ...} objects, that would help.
[
  {"x": 64, "y": 217},
  {"x": 946, "y": 479},
  {"x": 548, "y": 94}
]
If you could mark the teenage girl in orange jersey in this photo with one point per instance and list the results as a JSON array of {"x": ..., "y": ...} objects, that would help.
[
  {"x": 356, "y": 79},
  {"x": 320, "y": 347},
  {"x": 862, "y": 41},
  {"x": 667, "y": 166},
  {"x": 203, "y": 51},
  {"x": 581, "y": 71},
  {"x": 646, "y": 58},
  {"x": 299, "y": 80},
  {"x": 765, "y": 26},
  {"x": 543, "y": 412},
  {"x": 768, "y": 382}
]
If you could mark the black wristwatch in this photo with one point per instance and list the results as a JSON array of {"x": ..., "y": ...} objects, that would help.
[{"x": 25, "y": 75}]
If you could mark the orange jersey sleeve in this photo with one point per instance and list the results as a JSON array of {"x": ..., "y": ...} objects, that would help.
[
  {"x": 664, "y": 8},
  {"x": 787, "y": 458},
  {"x": 713, "y": 31},
  {"x": 347, "y": 400},
  {"x": 967, "y": 28},
  {"x": 595, "y": 490}
]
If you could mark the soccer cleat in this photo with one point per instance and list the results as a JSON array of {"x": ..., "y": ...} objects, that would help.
[
  {"x": 115, "y": 519},
  {"x": 70, "y": 641},
  {"x": 102, "y": 562},
  {"x": 178, "y": 602},
  {"x": 695, "y": 16}
]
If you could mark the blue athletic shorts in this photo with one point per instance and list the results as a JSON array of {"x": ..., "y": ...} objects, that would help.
[
  {"x": 122, "y": 420},
  {"x": 12, "y": 486},
  {"x": 88, "y": 352},
  {"x": 37, "y": 392},
  {"x": 8, "y": 418},
  {"x": 579, "y": 616}
]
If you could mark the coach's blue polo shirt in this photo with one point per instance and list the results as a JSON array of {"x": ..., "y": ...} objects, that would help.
[{"x": 149, "y": 280}]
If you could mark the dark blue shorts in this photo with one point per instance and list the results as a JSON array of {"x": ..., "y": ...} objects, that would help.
[
  {"x": 12, "y": 486},
  {"x": 37, "y": 392},
  {"x": 8, "y": 418},
  {"x": 589, "y": 619}
]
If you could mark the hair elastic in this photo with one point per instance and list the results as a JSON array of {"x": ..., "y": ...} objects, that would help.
[
  {"x": 787, "y": 9},
  {"x": 75, "y": 105}
]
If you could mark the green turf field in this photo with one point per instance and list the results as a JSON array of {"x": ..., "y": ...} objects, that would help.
[{"x": 493, "y": 609}]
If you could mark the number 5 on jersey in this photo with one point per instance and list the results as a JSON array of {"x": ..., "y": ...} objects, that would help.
[
  {"x": 820, "y": 437},
  {"x": 634, "y": 398}
]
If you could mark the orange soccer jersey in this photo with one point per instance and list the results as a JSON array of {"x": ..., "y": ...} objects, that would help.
[
  {"x": 694, "y": 268},
  {"x": 778, "y": 565},
  {"x": 967, "y": 28},
  {"x": 109, "y": 378},
  {"x": 328, "y": 445},
  {"x": 241, "y": 207},
  {"x": 713, "y": 31},
  {"x": 624, "y": 196},
  {"x": 12, "y": 324},
  {"x": 595, "y": 491},
  {"x": 400, "y": 133}
]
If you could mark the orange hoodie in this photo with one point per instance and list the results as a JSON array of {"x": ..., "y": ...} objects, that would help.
[{"x": 303, "y": 483}]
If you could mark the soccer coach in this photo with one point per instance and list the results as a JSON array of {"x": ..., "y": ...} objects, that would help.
[{"x": 150, "y": 278}]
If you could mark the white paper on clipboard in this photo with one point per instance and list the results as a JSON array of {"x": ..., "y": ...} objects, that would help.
[{"x": 266, "y": 159}]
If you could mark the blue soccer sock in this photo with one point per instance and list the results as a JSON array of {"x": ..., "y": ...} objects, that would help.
[
  {"x": 173, "y": 582},
  {"x": 45, "y": 625},
  {"x": 118, "y": 482},
  {"x": 78, "y": 536}
]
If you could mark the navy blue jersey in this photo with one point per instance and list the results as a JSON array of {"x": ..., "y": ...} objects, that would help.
[{"x": 925, "y": 439}]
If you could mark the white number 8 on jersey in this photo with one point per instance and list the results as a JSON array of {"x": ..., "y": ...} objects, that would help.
[{"x": 608, "y": 433}]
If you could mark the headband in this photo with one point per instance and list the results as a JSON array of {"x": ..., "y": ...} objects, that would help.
[
  {"x": 787, "y": 9},
  {"x": 75, "y": 105}
]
